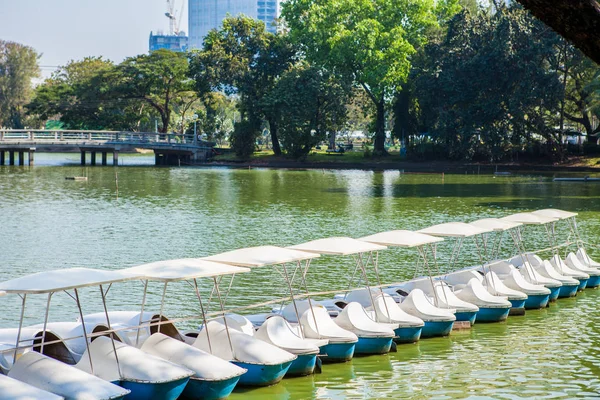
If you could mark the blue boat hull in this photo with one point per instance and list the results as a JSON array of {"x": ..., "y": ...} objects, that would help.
[
  {"x": 262, "y": 375},
  {"x": 437, "y": 328},
  {"x": 156, "y": 391},
  {"x": 537, "y": 301},
  {"x": 408, "y": 334},
  {"x": 492, "y": 314},
  {"x": 518, "y": 303},
  {"x": 303, "y": 365},
  {"x": 466, "y": 316},
  {"x": 554, "y": 292},
  {"x": 197, "y": 389},
  {"x": 337, "y": 352},
  {"x": 593, "y": 282},
  {"x": 376, "y": 345},
  {"x": 582, "y": 284},
  {"x": 568, "y": 291}
]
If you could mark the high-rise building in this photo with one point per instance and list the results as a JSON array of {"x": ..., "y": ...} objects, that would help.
[
  {"x": 204, "y": 15},
  {"x": 170, "y": 42}
]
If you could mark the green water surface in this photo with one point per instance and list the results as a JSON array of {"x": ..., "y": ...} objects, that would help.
[{"x": 133, "y": 214}]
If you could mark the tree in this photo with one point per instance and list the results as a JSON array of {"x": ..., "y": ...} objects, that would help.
[
  {"x": 306, "y": 103},
  {"x": 369, "y": 42},
  {"x": 158, "y": 79},
  {"x": 490, "y": 85},
  {"x": 18, "y": 66},
  {"x": 243, "y": 58}
]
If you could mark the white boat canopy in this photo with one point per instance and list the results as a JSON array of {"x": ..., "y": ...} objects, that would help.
[
  {"x": 401, "y": 238},
  {"x": 555, "y": 213},
  {"x": 183, "y": 269},
  {"x": 261, "y": 256},
  {"x": 63, "y": 279},
  {"x": 529, "y": 219},
  {"x": 341, "y": 246},
  {"x": 495, "y": 224},
  {"x": 454, "y": 229}
]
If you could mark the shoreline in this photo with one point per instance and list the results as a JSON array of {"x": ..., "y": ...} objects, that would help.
[{"x": 407, "y": 166}]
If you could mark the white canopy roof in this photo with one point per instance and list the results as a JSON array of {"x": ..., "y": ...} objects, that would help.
[
  {"x": 261, "y": 256},
  {"x": 338, "y": 246},
  {"x": 454, "y": 229},
  {"x": 555, "y": 213},
  {"x": 529, "y": 219},
  {"x": 182, "y": 269},
  {"x": 63, "y": 279},
  {"x": 495, "y": 224},
  {"x": 401, "y": 238}
]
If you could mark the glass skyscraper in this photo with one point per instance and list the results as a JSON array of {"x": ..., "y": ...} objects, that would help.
[{"x": 205, "y": 15}]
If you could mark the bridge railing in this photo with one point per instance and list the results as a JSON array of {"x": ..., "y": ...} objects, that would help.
[{"x": 14, "y": 135}]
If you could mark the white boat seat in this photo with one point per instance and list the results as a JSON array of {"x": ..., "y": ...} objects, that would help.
[
  {"x": 355, "y": 319},
  {"x": 586, "y": 259},
  {"x": 547, "y": 270},
  {"x": 388, "y": 311},
  {"x": 204, "y": 365},
  {"x": 62, "y": 379},
  {"x": 278, "y": 332},
  {"x": 317, "y": 324},
  {"x": 574, "y": 263},
  {"x": 477, "y": 294},
  {"x": 531, "y": 275},
  {"x": 512, "y": 279},
  {"x": 495, "y": 286},
  {"x": 246, "y": 348},
  {"x": 135, "y": 365},
  {"x": 12, "y": 389},
  {"x": 417, "y": 304},
  {"x": 563, "y": 269}
]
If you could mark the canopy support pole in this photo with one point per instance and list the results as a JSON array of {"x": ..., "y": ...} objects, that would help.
[
  {"x": 112, "y": 335},
  {"x": 216, "y": 287},
  {"x": 139, "y": 328},
  {"x": 85, "y": 335},
  {"x": 289, "y": 284},
  {"x": 162, "y": 306},
  {"x": 20, "y": 327},
  {"x": 46, "y": 321},
  {"x": 203, "y": 314}
]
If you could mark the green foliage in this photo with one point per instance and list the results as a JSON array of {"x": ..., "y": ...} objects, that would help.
[
  {"x": 307, "y": 103},
  {"x": 243, "y": 58},
  {"x": 18, "y": 66},
  {"x": 96, "y": 94},
  {"x": 158, "y": 79},
  {"x": 369, "y": 42},
  {"x": 489, "y": 84},
  {"x": 243, "y": 138}
]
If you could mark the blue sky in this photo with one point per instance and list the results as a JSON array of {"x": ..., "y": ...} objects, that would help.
[{"x": 64, "y": 30}]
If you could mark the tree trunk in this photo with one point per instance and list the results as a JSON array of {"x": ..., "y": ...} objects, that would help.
[
  {"x": 274, "y": 138},
  {"x": 379, "y": 144},
  {"x": 164, "y": 117}
]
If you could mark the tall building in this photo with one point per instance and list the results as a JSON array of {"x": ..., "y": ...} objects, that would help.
[
  {"x": 170, "y": 42},
  {"x": 204, "y": 15}
]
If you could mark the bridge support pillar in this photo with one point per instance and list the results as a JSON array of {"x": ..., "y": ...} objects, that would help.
[
  {"x": 2, "y": 156},
  {"x": 31, "y": 151},
  {"x": 21, "y": 157},
  {"x": 93, "y": 157},
  {"x": 82, "y": 157},
  {"x": 115, "y": 158},
  {"x": 103, "y": 158},
  {"x": 11, "y": 158}
]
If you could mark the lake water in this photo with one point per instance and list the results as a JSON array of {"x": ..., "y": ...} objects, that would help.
[{"x": 138, "y": 213}]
